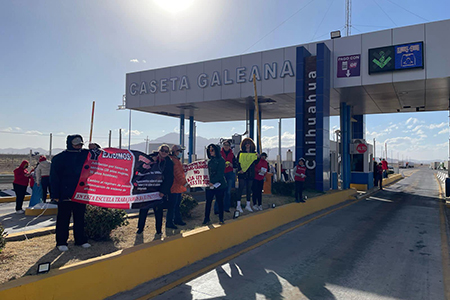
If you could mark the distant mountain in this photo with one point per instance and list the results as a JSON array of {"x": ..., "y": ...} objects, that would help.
[
  {"x": 174, "y": 138},
  {"x": 27, "y": 151}
]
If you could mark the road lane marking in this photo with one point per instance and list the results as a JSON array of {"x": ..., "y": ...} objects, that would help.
[
  {"x": 378, "y": 199},
  {"x": 233, "y": 256}
]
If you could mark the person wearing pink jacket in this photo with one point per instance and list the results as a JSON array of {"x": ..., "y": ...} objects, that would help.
[{"x": 299, "y": 177}]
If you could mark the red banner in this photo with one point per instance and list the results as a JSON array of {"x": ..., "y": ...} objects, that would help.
[{"x": 117, "y": 178}]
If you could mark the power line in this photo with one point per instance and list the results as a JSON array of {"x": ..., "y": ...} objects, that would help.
[
  {"x": 279, "y": 25},
  {"x": 408, "y": 10},
  {"x": 385, "y": 12},
  {"x": 322, "y": 19}
]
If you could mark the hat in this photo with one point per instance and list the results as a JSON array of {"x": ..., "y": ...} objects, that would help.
[
  {"x": 42, "y": 158},
  {"x": 77, "y": 141},
  {"x": 177, "y": 148}
]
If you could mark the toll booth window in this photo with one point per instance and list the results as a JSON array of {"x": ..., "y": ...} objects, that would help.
[{"x": 357, "y": 163}]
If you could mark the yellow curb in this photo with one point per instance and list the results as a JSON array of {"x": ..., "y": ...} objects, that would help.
[
  {"x": 40, "y": 211},
  {"x": 103, "y": 277},
  {"x": 12, "y": 199}
]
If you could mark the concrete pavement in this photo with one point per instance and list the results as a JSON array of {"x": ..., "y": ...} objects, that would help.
[{"x": 385, "y": 247}]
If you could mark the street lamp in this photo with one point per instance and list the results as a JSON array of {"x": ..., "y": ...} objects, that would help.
[{"x": 123, "y": 106}]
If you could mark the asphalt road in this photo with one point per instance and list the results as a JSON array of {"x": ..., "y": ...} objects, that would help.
[{"x": 385, "y": 247}]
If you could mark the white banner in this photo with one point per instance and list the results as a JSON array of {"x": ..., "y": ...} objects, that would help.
[{"x": 197, "y": 173}]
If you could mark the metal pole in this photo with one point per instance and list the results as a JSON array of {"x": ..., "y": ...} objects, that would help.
[
  {"x": 109, "y": 141},
  {"x": 182, "y": 133},
  {"x": 146, "y": 145},
  {"x": 92, "y": 121},
  {"x": 279, "y": 152},
  {"x": 374, "y": 149},
  {"x": 279, "y": 137},
  {"x": 191, "y": 138},
  {"x": 50, "y": 148},
  {"x": 120, "y": 138},
  {"x": 258, "y": 115},
  {"x": 129, "y": 131}
]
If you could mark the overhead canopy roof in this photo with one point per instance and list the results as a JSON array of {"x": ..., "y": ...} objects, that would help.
[{"x": 221, "y": 90}]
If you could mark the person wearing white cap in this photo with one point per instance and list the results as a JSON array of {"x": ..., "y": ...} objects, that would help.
[{"x": 64, "y": 176}]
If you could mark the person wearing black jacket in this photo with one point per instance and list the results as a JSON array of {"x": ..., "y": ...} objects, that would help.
[
  {"x": 217, "y": 183},
  {"x": 64, "y": 176},
  {"x": 246, "y": 160},
  {"x": 165, "y": 165}
]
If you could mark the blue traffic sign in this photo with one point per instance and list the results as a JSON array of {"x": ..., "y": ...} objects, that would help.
[{"x": 409, "y": 56}]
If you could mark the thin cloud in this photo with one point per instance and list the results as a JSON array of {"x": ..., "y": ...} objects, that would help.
[
  {"x": 134, "y": 60},
  {"x": 433, "y": 126},
  {"x": 34, "y": 132},
  {"x": 266, "y": 127},
  {"x": 287, "y": 140},
  {"x": 411, "y": 121},
  {"x": 133, "y": 132},
  {"x": 445, "y": 130}
]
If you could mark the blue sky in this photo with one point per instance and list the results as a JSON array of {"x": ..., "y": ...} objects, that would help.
[{"x": 59, "y": 56}]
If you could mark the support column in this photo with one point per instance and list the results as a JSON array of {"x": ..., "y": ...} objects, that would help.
[
  {"x": 359, "y": 127},
  {"x": 182, "y": 133},
  {"x": 251, "y": 123},
  {"x": 345, "y": 143},
  {"x": 191, "y": 138},
  {"x": 323, "y": 168}
]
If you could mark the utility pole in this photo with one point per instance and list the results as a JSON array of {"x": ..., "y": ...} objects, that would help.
[
  {"x": 146, "y": 145},
  {"x": 374, "y": 148},
  {"x": 120, "y": 138},
  {"x": 385, "y": 151},
  {"x": 109, "y": 141},
  {"x": 348, "y": 17},
  {"x": 50, "y": 148}
]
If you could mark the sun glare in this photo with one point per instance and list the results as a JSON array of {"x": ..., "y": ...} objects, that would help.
[{"x": 174, "y": 6}]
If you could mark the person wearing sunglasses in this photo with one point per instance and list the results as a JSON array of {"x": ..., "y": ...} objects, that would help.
[
  {"x": 217, "y": 183},
  {"x": 165, "y": 166}
]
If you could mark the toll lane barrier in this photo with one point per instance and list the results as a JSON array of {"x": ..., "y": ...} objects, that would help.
[
  {"x": 442, "y": 176},
  {"x": 99, "y": 278}
]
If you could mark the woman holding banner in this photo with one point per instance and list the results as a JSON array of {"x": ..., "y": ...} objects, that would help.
[
  {"x": 246, "y": 171},
  {"x": 165, "y": 165},
  {"x": 217, "y": 182}
]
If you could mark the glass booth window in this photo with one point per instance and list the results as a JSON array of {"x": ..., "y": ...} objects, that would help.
[{"x": 357, "y": 163}]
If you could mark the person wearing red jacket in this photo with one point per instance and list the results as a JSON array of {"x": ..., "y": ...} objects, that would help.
[
  {"x": 261, "y": 168},
  {"x": 173, "y": 217},
  {"x": 299, "y": 177},
  {"x": 20, "y": 183},
  {"x": 384, "y": 166}
]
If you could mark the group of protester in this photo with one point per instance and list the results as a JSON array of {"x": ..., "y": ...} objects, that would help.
[
  {"x": 38, "y": 179},
  {"x": 61, "y": 176},
  {"x": 380, "y": 171}
]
